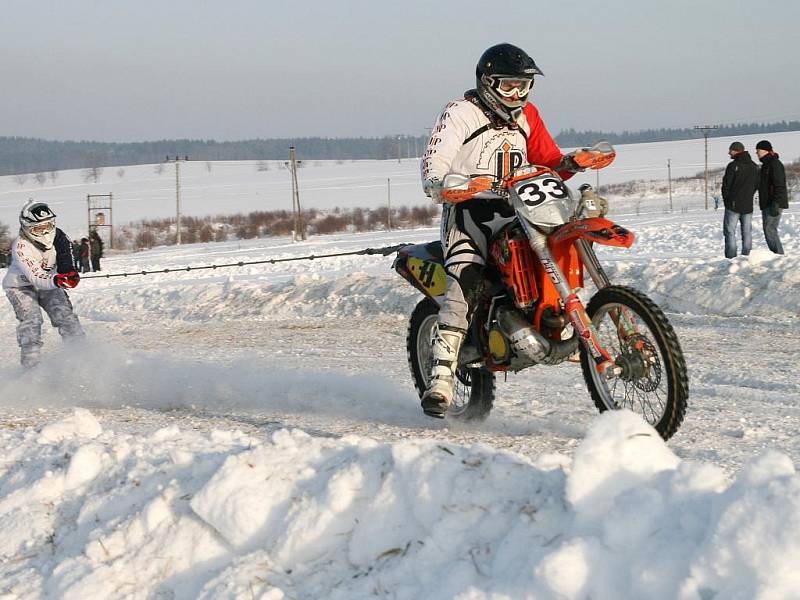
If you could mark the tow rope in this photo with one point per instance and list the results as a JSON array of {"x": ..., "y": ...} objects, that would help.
[{"x": 385, "y": 251}]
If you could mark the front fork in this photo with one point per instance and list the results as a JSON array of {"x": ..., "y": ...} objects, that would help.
[
  {"x": 622, "y": 320},
  {"x": 576, "y": 312}
]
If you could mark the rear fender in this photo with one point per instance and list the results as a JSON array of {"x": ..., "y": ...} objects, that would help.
[
  {"x": 422, "y": 265},
  {"x": 594, "y": 229}
]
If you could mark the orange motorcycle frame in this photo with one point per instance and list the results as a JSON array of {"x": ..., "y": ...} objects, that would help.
[{"x": 526, "y": 275}]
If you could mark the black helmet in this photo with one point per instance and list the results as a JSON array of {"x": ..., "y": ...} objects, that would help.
[{"x": 504, "y": 77}]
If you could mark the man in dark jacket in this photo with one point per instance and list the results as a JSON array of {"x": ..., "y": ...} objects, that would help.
[
  {"x": 96, "y": 249},
  {"x": 86, "y": 255},
  {"x": 738, "y": 187},
  {"x": 772, "y": 194}
]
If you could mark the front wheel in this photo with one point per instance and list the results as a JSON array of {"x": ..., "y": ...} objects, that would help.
[
  {"x": 474, "y": 388},
  {"x": 653, "y": 382}
]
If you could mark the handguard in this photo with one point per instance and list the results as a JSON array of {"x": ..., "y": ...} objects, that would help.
[
  {"x": 594, "y": 159},
  {"x": 598, "y": 156},
  {"x": 461, "y": 193}
]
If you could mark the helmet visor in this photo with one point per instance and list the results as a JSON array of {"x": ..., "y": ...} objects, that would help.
[
  {"x": 509, "y": 86},
  {"x": 42, "y": 228}
]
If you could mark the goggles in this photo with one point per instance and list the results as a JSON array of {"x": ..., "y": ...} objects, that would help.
[
  {"x": 508, "y": 86},
  {"x": 42, "y": 228}
]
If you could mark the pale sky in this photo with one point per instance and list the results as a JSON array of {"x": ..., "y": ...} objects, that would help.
[{"x": 136, "y": 70}]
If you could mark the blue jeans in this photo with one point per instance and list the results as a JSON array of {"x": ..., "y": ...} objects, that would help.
[
  {"x": 729, "y": 230},
  {"x": 771, "y": 231}
]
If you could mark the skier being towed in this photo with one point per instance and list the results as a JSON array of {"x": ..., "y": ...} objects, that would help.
[
  {"x": 41, "y": 268},
  {"x": 491, "y": 131}
]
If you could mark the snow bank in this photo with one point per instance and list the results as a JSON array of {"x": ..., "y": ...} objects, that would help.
[
  {"x": 677, "y": 260},
  {"x": 226, "y": 515},
  {"x": 762, "y": 284},
  {"x": 297, "y": 297}
]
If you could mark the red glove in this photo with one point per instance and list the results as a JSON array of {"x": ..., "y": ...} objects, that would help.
[{"x": 67, "y": 280}]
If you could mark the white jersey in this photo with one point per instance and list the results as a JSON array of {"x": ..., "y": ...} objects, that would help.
[
  {"x": 465, "y": 142},
  {"x": 31, "y": 267}
]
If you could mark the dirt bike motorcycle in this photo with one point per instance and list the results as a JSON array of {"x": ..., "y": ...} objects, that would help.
[{"x": 531, "y": 312}]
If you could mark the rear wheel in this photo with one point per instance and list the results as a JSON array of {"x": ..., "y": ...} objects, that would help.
[
  {"x": 640, "y": 339},
  {"x": 474, "y": 390}
]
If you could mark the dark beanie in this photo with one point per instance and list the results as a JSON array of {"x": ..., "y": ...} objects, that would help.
[
  {"x": 764, "y": 145},
  {"x": 736, "y": 147}
]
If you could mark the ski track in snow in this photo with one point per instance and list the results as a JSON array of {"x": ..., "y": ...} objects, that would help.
[{"x": 254, "y": 433}]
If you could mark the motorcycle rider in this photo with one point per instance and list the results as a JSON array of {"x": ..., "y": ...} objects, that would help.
[
  {"x": 41, "y": 268},
  {"x": 491, "y": 131}
]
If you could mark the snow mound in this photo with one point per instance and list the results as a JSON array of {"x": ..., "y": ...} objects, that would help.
[
  {"x": 762, "y": 284},
  {"x": 81, "y": 424},
  {"x": 227, "y": 515},
  {"x": 296, "y": 297}
]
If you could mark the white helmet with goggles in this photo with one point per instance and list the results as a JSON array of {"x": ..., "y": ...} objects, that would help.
[
  {"x": 504, "y": 78},
  {"x": 38, "y": 224}
]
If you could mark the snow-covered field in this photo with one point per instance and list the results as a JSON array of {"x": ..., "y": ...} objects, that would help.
[
  {"x": 253, "y": 433},
  {"x": 228, "y": 187}
]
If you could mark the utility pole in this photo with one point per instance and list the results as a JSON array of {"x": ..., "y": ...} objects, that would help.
[
  {"x": 398, "y": 148},
  {"x": 669, "y": 180},
  {"x": 177, "y": 160},
  {"x": 706, "y": 129},
  {"x": 299, "y": 226},
  {"x": 389, "y": 204}
]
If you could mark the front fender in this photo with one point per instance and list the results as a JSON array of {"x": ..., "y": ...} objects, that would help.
[{"x": 594, "y": 229}]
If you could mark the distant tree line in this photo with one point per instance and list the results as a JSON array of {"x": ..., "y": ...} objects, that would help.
[
  {"x": 570, "y": 137},
  {"x": 45, "y": 158},
  {"x": 147, "y": 233},
  {"x": 29, "y": 155}
]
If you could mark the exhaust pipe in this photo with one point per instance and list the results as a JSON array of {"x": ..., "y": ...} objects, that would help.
[{"x": 530, "y": 343}]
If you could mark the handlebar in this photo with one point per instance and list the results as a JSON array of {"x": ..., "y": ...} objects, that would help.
[{"x": 458, "y": 188}]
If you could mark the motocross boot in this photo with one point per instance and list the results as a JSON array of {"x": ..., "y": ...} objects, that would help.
[{"x": 445, "y": 346}]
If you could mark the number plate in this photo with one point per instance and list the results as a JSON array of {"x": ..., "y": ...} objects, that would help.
[
  {"x": 539, "y": 190},
  {"x": 543, "y": 200}
]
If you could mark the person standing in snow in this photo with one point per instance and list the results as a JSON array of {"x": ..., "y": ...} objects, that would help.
[
  {"x": 41, "y": 269},
  {"x": 86, "y": 255},
  {"x": 773, "y": 196},
  {"x": 76, "y": 253},
  {"x": 96, "y": 249},
  {"x": 491, "y": 131},
  {"x": 739, "y": 185}
]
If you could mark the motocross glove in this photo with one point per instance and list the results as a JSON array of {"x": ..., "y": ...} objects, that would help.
[
  {"x": 568, "y": 164},
  {"x": 67, "y": 280}
]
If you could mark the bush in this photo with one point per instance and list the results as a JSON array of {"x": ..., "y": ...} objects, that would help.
[{"x": 151, "y": 232}]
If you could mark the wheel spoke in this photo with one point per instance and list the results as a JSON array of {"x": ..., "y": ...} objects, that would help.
[{"x": 629, "y": 340}]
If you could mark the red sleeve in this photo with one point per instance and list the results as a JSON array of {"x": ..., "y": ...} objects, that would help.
[{"x": 542, "y": 149}]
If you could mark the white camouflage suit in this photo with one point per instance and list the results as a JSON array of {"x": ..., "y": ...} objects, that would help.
[
  {"x": 467, "y": 140},
  {"x": 30, "y": 284}
]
